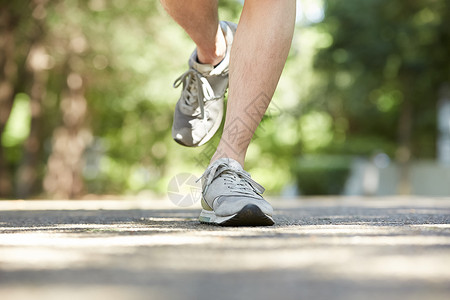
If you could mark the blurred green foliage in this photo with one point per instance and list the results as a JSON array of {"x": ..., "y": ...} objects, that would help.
[
  {"x": 363, "y": 80},
  {"x": 322, "y": 174},
  {"x": 382, "y": 73},
  {"x": 381, "y": 68}
]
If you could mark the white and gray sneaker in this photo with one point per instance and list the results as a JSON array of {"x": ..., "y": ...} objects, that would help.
[
  {"x": 199, "y": 111},
  {"x": 231, "y": 198}
]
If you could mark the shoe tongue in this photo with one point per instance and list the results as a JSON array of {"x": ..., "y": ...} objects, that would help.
[
  {"x": 231, "y": 162},
  {"x": 215, "y": 167},
  {"x": 205, "y": 69},
  {"x": 234, "y": 164}
]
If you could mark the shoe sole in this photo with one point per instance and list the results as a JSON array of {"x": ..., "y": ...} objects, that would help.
[
  {"x": 249, "y": 215},
  {"x": 210, "y": 134}
]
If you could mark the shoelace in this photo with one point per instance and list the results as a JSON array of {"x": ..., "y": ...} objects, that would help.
[
  {"x": 193, "y": 80},
  {"x": 238, "y": 180}
]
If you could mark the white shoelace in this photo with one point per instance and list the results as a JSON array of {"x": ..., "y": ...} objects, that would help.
[
  {"x": 194, "y": 82},
  {"x": 237, "y": 180}
]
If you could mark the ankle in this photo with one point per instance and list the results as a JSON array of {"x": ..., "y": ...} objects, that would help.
[
  {"x": 218, "y": 155},
  {"x": 212, "y": 59},
  {"x": 214, "y": 55}
]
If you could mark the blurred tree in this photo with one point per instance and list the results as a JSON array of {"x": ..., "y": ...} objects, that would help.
[
  {"x": 36, "y": 75},
  {"x": 97, "y": 76},
  {"x": 18, "y": 33},
  {"x": 8, "y": 70}
]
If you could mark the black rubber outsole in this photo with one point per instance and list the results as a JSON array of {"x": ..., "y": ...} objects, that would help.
[{"x": 249, "y": 215}]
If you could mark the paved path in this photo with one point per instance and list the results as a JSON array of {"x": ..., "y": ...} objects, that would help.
[{"x": 323, "y": 248}]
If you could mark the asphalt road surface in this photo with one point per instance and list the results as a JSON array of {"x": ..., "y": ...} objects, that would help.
[{"x": 320, "y": 248}]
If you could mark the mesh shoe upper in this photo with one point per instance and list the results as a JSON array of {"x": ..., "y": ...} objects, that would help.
[{"x": 227, "y": 188}]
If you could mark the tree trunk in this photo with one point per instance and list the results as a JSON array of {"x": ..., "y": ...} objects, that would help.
[
  {"x": 65, "y": 164},
  {"x": 8, "y": 74},
  {"x": 27, "y": 172},
  {"x": 36, "y": 71},
  {"x": 404, "y": 149}
]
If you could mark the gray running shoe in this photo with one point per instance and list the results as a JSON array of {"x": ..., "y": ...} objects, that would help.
[
  {"x": 231, "y": 198},
  {"x": 199, "y": 111}
]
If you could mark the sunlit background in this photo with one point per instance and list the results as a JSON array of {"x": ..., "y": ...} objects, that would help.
[{"x": 86, "y": 100}]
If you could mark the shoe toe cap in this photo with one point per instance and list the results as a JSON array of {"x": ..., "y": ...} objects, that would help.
[
  {"x": 183, "y": 136},
  {"x": 226, "y": 206}
]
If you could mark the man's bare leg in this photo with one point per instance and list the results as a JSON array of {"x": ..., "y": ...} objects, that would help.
[
  {"x": 259, "y": 52},
  {"x": 199, "y": 18},
  {"x": 258, "y": 55}
]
